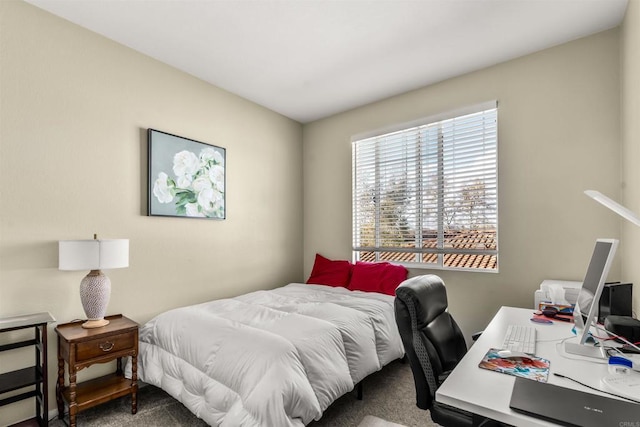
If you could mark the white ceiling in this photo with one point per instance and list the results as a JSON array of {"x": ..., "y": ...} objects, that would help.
[{"x": 309, "y": 59}]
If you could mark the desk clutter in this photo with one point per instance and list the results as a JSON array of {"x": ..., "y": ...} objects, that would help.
[
  {"x": 556, "y": 300},
  {"x": 483, "y": 382},
  {"x": 616, "y": 297},
  {"x": 517, "y": 354}
]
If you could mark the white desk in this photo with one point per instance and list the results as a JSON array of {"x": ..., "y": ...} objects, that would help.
[{"x": 488, "y": 393}]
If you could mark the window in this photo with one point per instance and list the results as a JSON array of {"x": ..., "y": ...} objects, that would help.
[{"x": 426, "y": 195}]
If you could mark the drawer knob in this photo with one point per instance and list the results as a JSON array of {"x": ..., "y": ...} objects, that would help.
[{"x": 106, "y": 346}]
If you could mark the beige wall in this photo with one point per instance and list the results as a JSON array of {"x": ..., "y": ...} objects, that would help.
[
  {"x": 630, "y": 97},
  {"x": 559, "y": 134},
  {"x": 74, "y": 108}
]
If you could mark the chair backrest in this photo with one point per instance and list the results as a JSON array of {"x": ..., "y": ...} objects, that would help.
[{"x": 432, "y": 340}]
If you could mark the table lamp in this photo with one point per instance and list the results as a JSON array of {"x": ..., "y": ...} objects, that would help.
[{"x": 94, "y": 255}]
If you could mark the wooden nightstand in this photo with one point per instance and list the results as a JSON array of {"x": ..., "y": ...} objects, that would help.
[{"x": 81, "y": 348}]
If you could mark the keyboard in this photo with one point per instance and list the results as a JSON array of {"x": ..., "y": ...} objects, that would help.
[{"x": 520, "y": 338}]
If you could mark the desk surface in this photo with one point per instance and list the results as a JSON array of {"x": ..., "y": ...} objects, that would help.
[{"x": 488, "y": 393}]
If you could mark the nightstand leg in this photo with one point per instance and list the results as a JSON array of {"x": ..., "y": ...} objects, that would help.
[
  {"x": 59, "y": 387},
  {"x": 134, "y": 383},
  {"x": 73, "y": 406}
]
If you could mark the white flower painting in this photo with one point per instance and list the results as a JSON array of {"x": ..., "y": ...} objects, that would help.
[{"x": 186, "y": 177}]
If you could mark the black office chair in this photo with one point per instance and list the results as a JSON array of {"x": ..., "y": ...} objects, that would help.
[{"x": 434, "y": 345}]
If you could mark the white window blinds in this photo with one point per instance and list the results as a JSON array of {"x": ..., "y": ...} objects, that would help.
[{"x": 427, "y": 194}]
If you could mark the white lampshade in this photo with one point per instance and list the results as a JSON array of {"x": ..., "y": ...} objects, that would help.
[
  {"x": 614, "y": 206},
  {"x": 93, "y": 254}
]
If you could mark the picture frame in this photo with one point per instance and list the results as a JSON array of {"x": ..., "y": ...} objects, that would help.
[{"x": 186, "y": 178}]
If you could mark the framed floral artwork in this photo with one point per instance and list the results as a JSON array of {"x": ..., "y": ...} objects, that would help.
[{"x": 186, "y": 177}]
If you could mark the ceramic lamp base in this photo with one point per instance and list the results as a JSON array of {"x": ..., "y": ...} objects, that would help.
[
  {"x": 97, "y": 323},
  {"x": 95, "y": 290}
]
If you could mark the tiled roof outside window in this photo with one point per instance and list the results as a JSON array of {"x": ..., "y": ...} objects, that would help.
[{"x": 456, "y": 240}]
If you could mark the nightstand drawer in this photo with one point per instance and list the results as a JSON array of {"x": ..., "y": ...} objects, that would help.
[{"x": 104, "y": 346}]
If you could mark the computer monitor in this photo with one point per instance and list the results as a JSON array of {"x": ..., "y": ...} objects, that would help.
[{"x": 585, "y": 312}]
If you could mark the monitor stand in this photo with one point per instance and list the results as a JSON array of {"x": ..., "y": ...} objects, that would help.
[{"x": 585, "y": 350}]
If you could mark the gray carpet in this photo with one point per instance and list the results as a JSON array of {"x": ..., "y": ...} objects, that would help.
[{"x": 388, "y": 394}]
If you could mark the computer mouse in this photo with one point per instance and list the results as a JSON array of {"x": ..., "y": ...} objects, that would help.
[{"x": 505, "y": 354}]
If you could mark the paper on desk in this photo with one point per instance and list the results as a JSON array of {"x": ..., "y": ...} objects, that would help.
[
  {"x": 556, "y": 293},
  {"x": 533, "y": 368}
]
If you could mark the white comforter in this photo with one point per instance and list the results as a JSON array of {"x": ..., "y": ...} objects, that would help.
[{"x": 269, "y": 358}]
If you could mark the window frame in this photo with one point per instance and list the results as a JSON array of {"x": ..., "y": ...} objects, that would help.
[{"x": 440, "y": 248}]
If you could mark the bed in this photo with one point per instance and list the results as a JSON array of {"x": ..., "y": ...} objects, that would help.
[{"x": 269, "y": 358}]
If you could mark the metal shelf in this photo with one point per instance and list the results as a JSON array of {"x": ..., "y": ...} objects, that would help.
[{"x": 33, "y": 376}]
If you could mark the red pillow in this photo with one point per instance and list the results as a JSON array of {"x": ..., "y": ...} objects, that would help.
[
  {"x": 392, "y": 276},
  {"x": 329, "y": 272},
  {"x": 365, "y": 276},
  {"x": 381, "y": 277}
]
